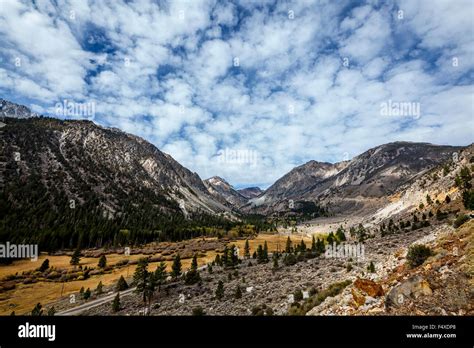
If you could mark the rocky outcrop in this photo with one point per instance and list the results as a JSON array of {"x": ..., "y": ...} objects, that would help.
[
  {"x": 369, "y": 287},
  {"x": 411, "y": 288}
]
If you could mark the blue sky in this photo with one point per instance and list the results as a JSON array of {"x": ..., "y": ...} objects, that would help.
[{"x": 277, "y": 83}]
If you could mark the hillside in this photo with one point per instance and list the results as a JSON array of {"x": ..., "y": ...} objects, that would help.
[{"x": 73, "y": 182}]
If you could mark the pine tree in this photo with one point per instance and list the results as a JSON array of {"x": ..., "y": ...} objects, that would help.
[
  {"x": 468, "y": 199},
  {"x": 361, "y": 232},
  {"x": 149, "y": 289},
  {"x": 51, "y": 311},
  {"x": 275, "y": 263},
  {"x": 141, "y": 277},
  {"x": 320, "y": 246},
  {"x": 238, "y": 292},
  {"x": 217, "y": 260},
  {"x": 194, "y": 264},
  {"x": 81, "y": 292},
  {"x": 313, "y": 244},
  {"x": 144, "y": 281},
  {"x": 87, "y": 294},
  {"x": 428, "y": 199},
  {"x": 44, "y": 266},
  {"x": 37, "y": 311},
  {"x": 247, "y": 249},
  {"x": 121, "y": 284},
  {"x": 330, "y": 238},
  {"x": 176, "y": 267},
  {"x": 371, "y": 267},
  {"x": 302, "y": 246},
  {"x": 160, "y": 274},
  {"x": 224, "y": 257},
  {"x": 233, "y": 256},
  {"x": 340, "y": 235},
  {"x": 75, "y": 258},
  {"x": 99, "y": 288},
  {"x": 265, "y": 252},
  {"x": 220, "y": 290},
  {"x": 288, "y": 248},
  {"x": 192, "y": 276},
  {"x": 352, "y": 230},
  {"x": 445, "y": 170},
  {"x": 260, "y": 255},
  {"x": 116, "y": 303},
  {"x": 102, "y": 262},
  {"x": 209, "y": 268}
]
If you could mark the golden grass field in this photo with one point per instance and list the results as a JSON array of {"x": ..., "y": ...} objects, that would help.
[
  {"x": 275, "y": 242},
  {"x": 24, "y": 297}
]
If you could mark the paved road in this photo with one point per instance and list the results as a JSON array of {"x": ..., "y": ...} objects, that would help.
[{"x": 94, "y": 303}]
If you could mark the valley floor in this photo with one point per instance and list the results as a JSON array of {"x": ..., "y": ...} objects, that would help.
[
  {"x": 441, "y": 286},
  {"x": 329, "y": 285}
]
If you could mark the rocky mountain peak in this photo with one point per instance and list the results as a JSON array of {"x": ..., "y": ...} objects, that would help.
[
  {"x": 9, "y": 109},
  {"x": 224, "y": 192}
]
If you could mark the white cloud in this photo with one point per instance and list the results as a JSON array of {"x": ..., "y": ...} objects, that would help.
[
  {"x": 166, "y": 72},
  {"x": 368, "y": 40}
]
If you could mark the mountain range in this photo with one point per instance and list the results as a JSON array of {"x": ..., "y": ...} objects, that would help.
[
  {"x": 47, "y": 164},
  {"x": 361, "y": 184}
]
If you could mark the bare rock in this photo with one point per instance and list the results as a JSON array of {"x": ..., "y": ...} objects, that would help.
[
  {"x": 413, "y": 287},
  {"x": 369, "y": 287},
  {"x": 358, "y": 297}
]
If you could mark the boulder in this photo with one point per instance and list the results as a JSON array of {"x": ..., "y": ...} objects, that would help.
[
  {"x": 421, "y": 288},
  {"x": 413, "y": 287},
  {"x": 369, "y": 287}
]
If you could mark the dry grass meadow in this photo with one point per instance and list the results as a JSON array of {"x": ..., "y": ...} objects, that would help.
[{"x": 24, "y": 297}]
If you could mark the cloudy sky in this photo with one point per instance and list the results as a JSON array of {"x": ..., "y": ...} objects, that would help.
[{"x": 249, "y": 89}]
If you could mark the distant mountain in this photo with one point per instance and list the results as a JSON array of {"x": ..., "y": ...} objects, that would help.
[
  {"x": 223, "y": 192},
  {"x": 301, "y": 178},
  {"x": 250, "y": 192},
  {"x": 8, "y": 109},
  {"x": 364, "y": 182}
]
